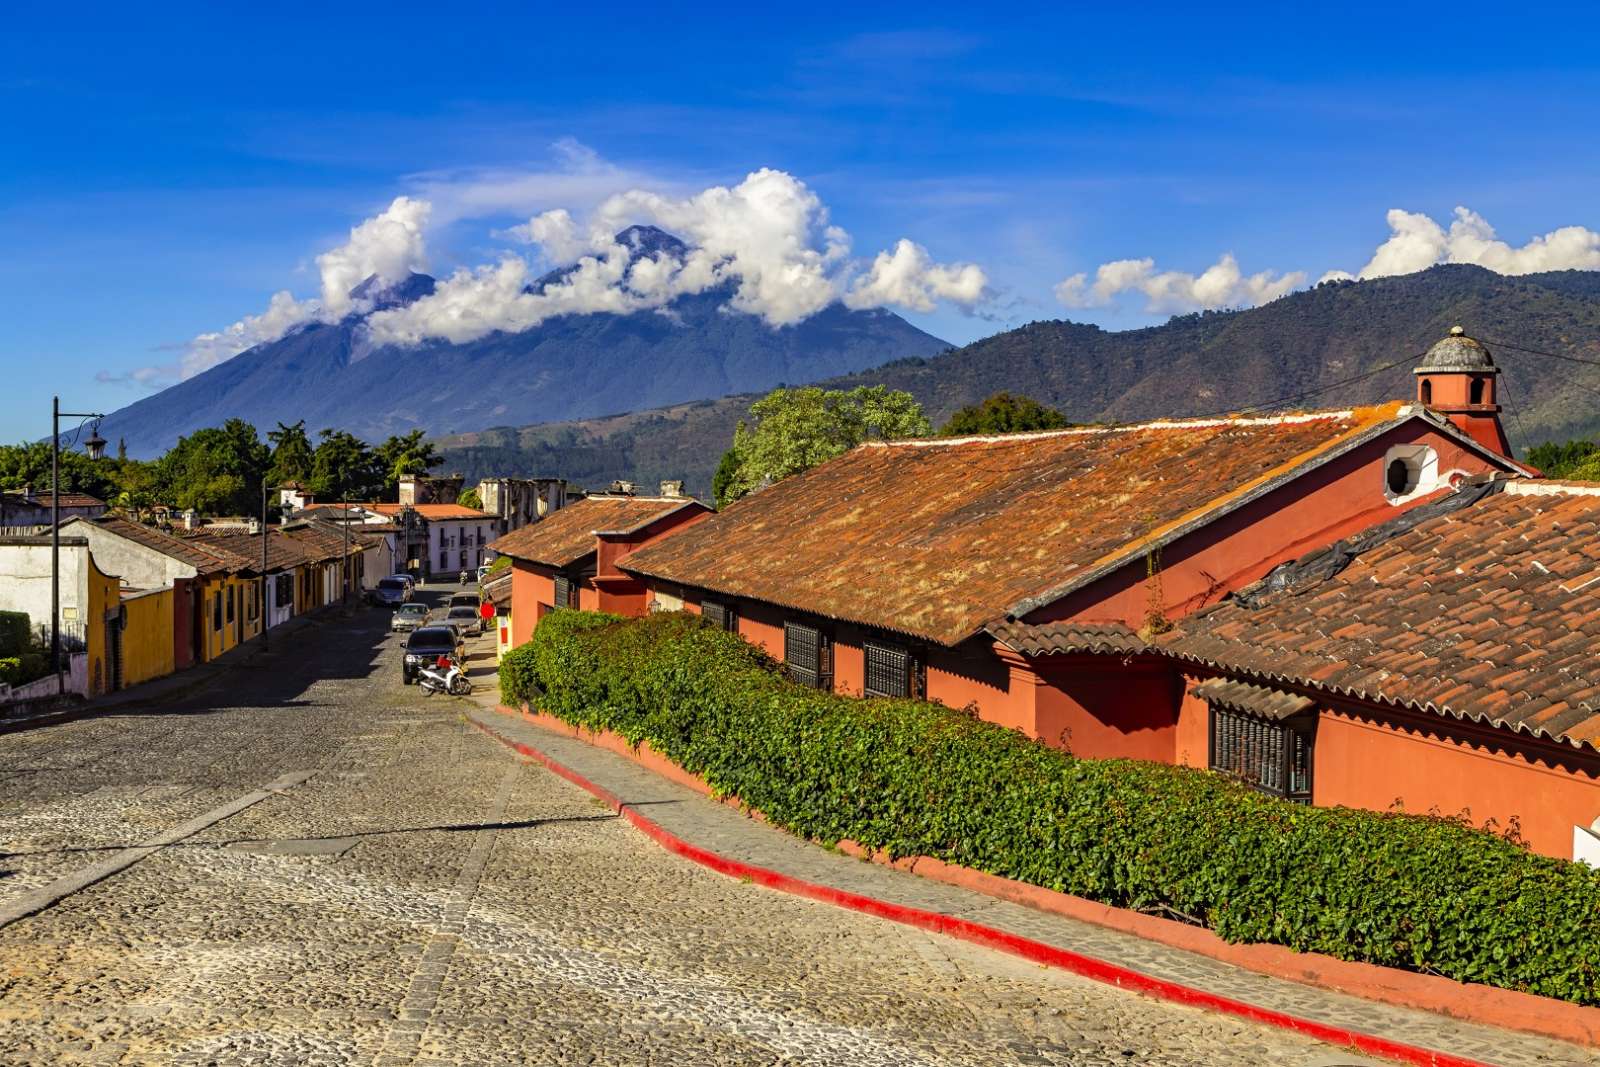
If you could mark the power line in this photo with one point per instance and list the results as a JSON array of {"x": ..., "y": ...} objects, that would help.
[
  {"x": 1541, "y": 352},
  {"x": 1304, "y": 393}
]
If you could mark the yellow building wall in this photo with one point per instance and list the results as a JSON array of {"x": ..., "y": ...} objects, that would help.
[
  {"x": 104, "y": 599},
  {"x": 219, "y": 639},
  {"x": 147, "y": 650}
]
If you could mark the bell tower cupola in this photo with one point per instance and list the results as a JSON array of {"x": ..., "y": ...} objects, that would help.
[{"x": 1458, "y": 379}]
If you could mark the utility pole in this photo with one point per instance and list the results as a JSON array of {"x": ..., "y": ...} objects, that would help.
[{"x": 96, "y": 448}]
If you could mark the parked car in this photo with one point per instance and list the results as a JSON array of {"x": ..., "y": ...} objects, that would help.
[
  {"x": 428, "y": 643},
  {"x": 458, "y": 600},
  {"x": 410, "y": 616},
  {"x": 393, "y": 591},
  {"x": 465, "y": 618}
]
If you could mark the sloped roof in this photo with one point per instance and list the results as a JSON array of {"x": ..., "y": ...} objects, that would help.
[
  {"x": 497, "y": 590},
  {"x": 430, "y": 511},
  {"x": 568, "y": 534},
  {"x": 198, "y": 555},
  {"x": 1490, "y": 613},
  {"x": 936, "y": 538},
  {"x": 1063, "y": 638},
  {"x": 282, "y": 554},
  {"x": 322, "y": 544}
]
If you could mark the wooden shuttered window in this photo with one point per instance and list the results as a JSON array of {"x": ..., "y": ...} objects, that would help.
[
  {"x": 563, "y": 591},
  {"x": 721, "y": 615},
  {"x": 1272, "y": 757},
  {"x": 891, "y": 671},
  {"x": 807, "y": 656}
]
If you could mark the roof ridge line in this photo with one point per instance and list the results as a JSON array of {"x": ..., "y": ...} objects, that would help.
[{"x": 1290, "y": 419}]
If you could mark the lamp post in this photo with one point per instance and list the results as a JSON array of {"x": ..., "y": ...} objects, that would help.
[
  {"x": 96, "y": 447},
  {"x": 344, "y": 570},
  {"x": 266, "y": 613}
]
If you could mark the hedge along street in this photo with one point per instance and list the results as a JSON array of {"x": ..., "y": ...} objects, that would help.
[
  {"x": 392, "y": 908},
  {"x": 911, "y": 778}
]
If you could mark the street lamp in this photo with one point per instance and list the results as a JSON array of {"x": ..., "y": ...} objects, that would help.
[
  {"x": 97, "y": 448},
  {"x": 266, "y": 615}
]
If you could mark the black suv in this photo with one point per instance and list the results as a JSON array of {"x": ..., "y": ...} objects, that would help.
[{"x": 426, "y": 644}]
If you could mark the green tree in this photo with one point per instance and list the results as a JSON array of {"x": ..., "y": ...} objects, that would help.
[
  {"x": 796, "y": 429},
  {"x": 1561, "y": 459},
  {"x": 402, "y": 455},
  {"x": 215, "y": 471},
  {"x": 1003, "y": 413},
  {"x": 29, "y": 464},
  {"x": 469, "y": 498},
  {"x": 292, "y": 454},
  {"x": 722, "y": 481},
  {"x": 344, "y": 468}
]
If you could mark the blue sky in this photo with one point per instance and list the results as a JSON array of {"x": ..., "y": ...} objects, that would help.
[{"x": 162, "y": 174}]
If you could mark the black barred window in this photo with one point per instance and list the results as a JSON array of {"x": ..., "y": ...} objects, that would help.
[
  {"x": 721, "y": 615},
  {"x": 563, "y": 591},
  {"x": 890, "y": 671},
  {"x": 805, "y": 653},
  {"x": 1273, "y": 757}
]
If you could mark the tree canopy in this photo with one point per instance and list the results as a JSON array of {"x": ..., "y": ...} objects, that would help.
[
  {"x": 793, "y": 430},
  {"x": 1578, "y": 458},
  {"x": 292, "y": 454},
  {"x": 1003, "y": 413},
  {"x": 216, "y": 471}
]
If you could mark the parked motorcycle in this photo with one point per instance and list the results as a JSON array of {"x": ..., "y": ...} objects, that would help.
[{"x": 444, "y": 676}]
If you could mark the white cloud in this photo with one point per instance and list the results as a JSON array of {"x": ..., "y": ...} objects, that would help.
[
  {"x": 389, "y": 245},
  {"x": 908, "y": 278},
  {"x": 1416, "y": 242},
  {"x": 1218, "y": 286},
  {"x": 767, "y": 238}
]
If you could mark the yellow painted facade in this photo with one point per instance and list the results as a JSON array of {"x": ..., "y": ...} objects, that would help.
[
  {"x": 104, "y": 600},
  {"x": 147, "y": 650},
  {"x": 232, "y": 613}
]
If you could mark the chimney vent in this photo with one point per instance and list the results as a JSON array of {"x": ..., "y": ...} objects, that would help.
[{"x": 672, "y": 488}]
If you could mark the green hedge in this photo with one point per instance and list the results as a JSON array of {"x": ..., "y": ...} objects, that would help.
[
  {"x": 20, "y": 670},
  {"x": 15, "y": 633},
  {"x": 915, "y": 778}
]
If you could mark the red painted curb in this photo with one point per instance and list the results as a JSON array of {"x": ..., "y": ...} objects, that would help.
[{"x": 990, "y": 937}]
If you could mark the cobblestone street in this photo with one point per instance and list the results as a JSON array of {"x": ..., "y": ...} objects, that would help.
[{"x": 424, "y": 897}]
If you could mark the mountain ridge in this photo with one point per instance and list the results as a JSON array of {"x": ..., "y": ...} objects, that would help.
[
  {"x": 1292, "y": 352},
  {"x": 571, "y": 366}
]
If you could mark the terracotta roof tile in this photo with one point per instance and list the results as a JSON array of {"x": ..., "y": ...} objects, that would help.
[
  {"x": 568, "y": 535},
  {"x": 1468, "y": 627},
  {"x": 937, "y": 538},
  {"x": 1058, "y": 638},
  {"x": 202, "y": 558}
]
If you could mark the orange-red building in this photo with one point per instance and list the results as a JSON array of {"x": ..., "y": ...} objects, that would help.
[
  {"x": 570, "y": 559},
  {"x": 1066, "y": 583}
]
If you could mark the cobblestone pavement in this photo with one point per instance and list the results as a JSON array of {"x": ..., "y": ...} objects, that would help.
[{"x": 423, "y": 897}]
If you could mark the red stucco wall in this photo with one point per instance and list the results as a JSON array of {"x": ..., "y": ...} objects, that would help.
[
  {"x": 1383, "y": 760},
  {"x": 1101, "y": 707},
  {"x": 531, "y": 587},
  {"x": 1338, "y": 499}
]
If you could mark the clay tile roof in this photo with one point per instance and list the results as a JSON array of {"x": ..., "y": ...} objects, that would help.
[
  {"x": 430, "y": 511},
  {"x": 568, "y": 535},
  {"x": 497, "y": 590},
  {"x": 317, "y": 543},
  {"x": 1482, "y": 614},
  {"x": 68, "y": 500},
  {"x": 202, "y": 558},
  {"x": 936, "y": 538},
  {"x": 282, "y": 554},
  {"x": 1259, "y": 700},
  {"x": 1060, "y": 638}
]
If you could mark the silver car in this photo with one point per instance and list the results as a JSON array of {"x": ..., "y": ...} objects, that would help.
[
  {"x": 465, "y": 619},
  {"x": 410, "y": 616}
]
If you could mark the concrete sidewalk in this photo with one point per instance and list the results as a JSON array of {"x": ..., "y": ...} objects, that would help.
[{"x": 729, "y": 833}]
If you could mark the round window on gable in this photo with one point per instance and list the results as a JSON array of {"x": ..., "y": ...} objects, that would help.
[
  {"x": 1409, "y": 471},
  {"x": 1399, "y": 477}
]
